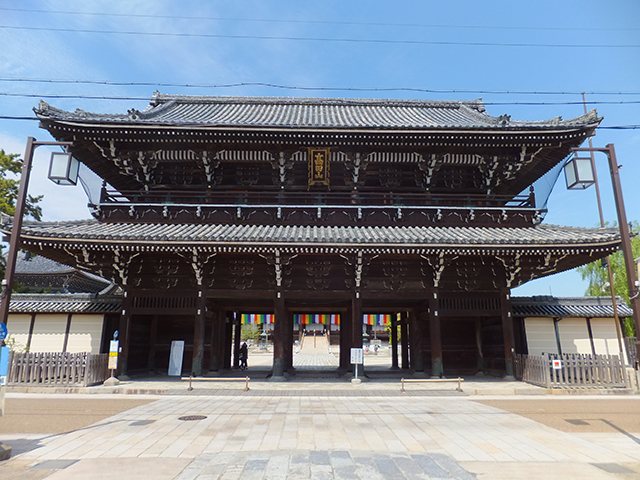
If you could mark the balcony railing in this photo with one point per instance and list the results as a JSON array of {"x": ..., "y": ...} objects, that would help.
[{"x": 301, "y": 198}]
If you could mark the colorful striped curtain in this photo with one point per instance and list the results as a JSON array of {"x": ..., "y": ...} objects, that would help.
[
  {"x": 380, "y": 319},
  {"x": 256, "y": 318},
  {"x": 321, "y": 318}
]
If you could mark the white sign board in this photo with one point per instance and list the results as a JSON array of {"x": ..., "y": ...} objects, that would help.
[
  {"x": 557, "y": 364},
  {"x": 175, "y": 358},
  {"x": 357, "y": 356},
  {"x": 114, "y": 348}
]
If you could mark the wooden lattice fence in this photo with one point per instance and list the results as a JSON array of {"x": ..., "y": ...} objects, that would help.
[
  {"x": 571, "y": 370},
  {"x": 632, "y": 353},
  {"x": 57, "y": 369}
]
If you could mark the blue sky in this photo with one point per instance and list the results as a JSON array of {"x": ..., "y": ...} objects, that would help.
[{"x": 356, "y": 48}]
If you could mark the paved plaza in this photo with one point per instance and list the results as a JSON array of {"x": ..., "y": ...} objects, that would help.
[{"x": 323, "y": 429}]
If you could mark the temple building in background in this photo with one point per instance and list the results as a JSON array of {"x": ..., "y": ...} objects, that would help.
[{"x": 214, "y": 209}]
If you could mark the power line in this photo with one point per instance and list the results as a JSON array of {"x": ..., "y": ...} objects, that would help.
[
  {"x": 130, "y": 98},
  {"x": 321, "y": 39},
  {"x": 316, "y": 22},
  {"x": 302, "y": 87}
]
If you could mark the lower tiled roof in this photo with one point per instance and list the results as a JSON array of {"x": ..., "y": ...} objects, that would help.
[
  {"x": 316, "y": 235},
  {"x": 64, "y": 303},
  {"x": 568, "y": 307}
]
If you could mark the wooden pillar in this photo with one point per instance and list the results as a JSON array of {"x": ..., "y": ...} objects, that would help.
[
  {"x": 394, "y": 341},
  {"x": 123, "y": 335},
  {"x": 415, "y": 341},
  {"x": 288, "y": 345},
  {"x": 32, "y": 325},
  {"x": 480, "y": 357},
  {"x": 356, "y": 319},
  {"x": 65, "y": 342},
  {"x": 236, "y": 341},
  {"x": 151, "y": 359},
  {"x": 436, "y": 336},
  {"x": 279, "y": 338},
  {"x": 216, "y": 345},
  {"x": 198, "y": 335},
  {"x": 228, "y": 339},
  {"x": 507, "y": 332},
  {"x": 404, "y": 340},
  {"x": 356, "y": 326},
  {"x": 345, "y": 340}
]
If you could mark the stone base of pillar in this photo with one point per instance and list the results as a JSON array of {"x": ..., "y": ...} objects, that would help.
[{"x": 509, "y": 378}]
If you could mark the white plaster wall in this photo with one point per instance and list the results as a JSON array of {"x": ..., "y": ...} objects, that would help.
[
  {"x": 18, "y": 329},
  {"x": 574, "y": 336},
  {"x": 85, "y": 333},
  {"x": 605, "y": 337},
  {"x": 48, "y": 333},
  {"x": 541, "y": 336}
]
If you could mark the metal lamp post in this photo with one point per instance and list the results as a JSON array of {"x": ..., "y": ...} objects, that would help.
[
  {"x": 625, "y": 237},
  {"x": 63, "y": 175}
]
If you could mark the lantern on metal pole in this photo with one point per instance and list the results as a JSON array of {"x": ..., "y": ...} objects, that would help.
[
  {"x": 579, "y": 173},
  {"x": 625, "y": 237},
  {"x": 71, "y": 173},
  {"x": 63, "y": 168}
]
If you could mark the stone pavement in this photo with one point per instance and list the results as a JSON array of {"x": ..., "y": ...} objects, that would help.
[{"x": 323, "y": 434}]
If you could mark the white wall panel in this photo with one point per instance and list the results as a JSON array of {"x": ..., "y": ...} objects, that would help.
[
  {"x": 18, "y": 329},
  {"x": 574, "y": 336},
  {"x": 85, "y": 333},
  {"x": 541, "y": 336},
  {"x": 605, "y": 337},
  {"x": 48, "y": 333}
]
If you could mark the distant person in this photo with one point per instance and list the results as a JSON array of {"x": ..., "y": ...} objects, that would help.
[{"x": 244, "y": 353}]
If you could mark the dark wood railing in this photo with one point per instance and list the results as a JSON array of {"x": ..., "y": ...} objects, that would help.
[{"x": 285, "y": 197}]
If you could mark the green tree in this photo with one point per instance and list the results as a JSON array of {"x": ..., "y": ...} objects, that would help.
[
  {"x": 9, "y": 167},
  {"x": 9, "y": 188},
  {"x": 597, "y": 275}
]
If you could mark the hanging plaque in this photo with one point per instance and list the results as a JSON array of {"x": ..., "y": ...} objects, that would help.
[{"x": 318, "y": 166}]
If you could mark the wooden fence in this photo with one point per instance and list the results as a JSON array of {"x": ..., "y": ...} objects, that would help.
[
  {"x": 632, "y": 353},
  {"x": 571, "y": 370},
  {"x": 57, "y": 369}
]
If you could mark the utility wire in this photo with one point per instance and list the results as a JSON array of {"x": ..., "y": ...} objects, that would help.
[
  {"x": 128, "y": 98},
  {"x": 299, "y": 87},
  {"x": 320, "y": 39},
  {"x": 317, "y": 22}
]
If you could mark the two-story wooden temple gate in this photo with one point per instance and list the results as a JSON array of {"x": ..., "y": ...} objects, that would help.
[{"x": 216, "y": 205}]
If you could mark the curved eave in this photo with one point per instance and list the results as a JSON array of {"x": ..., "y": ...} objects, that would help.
[
  {"x": 257, "y": 246},
  {"x": 147, "y": 128}
]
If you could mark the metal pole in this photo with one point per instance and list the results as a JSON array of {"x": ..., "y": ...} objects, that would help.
[
  {"x": 626, "y": 241},
  {"x": 16, "y": 228},
  {"x": 614, "y": 301},
  {"x": 625, "y": 238}
]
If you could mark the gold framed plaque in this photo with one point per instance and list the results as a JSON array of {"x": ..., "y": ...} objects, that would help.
[{"x": 318, "y": 166}]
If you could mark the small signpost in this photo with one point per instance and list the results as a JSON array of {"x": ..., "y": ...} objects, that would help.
[
  {"x": 4, "y": 369},
  {"x": 114, "y": 345},
  {"x": 557, "y": 364},
  {"x": 114, "y": 349},
  {"x": 357, "y": 358}
]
